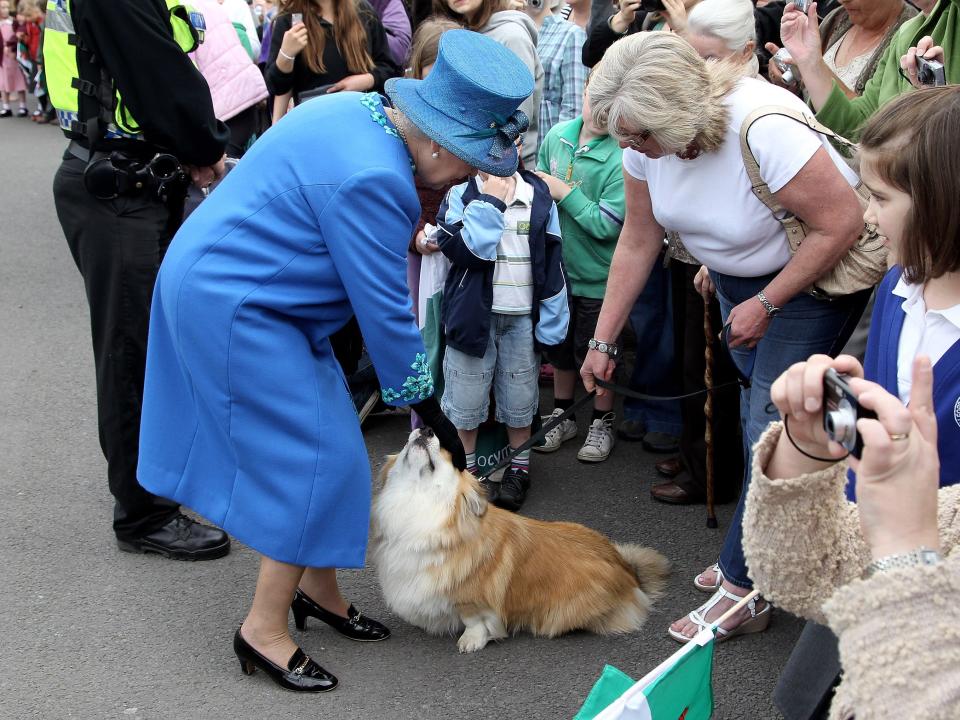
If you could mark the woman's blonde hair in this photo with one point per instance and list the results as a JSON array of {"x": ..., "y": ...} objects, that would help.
[
  {"x": 655, "y": 82},
  {"x": 426, "y": 43},
  {"x": 911, "y": 143}
]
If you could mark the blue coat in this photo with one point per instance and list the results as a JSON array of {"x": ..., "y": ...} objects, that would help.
[
  {"x": 246, "y": 414},
  {"x": 880, "y": 366}
]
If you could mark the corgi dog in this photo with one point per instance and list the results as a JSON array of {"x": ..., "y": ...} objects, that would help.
[{"x": 449, "y": 561}]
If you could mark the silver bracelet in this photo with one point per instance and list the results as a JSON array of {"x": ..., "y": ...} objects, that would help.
[
  {"x": 288, "y": 57},
  {"x": 920, "y": 556},
  {"x": 771, "y": 309}
]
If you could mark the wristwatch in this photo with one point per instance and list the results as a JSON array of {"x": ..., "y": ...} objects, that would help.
[
  {"x": 920, "y": 556},
  {"x": 607, "y": 348},
  {"x": 771, "y": 309}
]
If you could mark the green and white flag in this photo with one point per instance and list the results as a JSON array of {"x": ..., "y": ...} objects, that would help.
[{"x": 680, "y": 688}]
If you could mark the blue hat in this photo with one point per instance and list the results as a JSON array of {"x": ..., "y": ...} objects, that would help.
[{"x": 468, "y": 103}]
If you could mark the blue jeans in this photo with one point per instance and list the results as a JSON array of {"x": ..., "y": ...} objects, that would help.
[
  {"x": 804, "y": 327},
  {"x": 656, "y": 370}
]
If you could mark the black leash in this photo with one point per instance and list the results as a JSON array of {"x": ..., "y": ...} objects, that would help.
[{"x": 613, "y": 387}]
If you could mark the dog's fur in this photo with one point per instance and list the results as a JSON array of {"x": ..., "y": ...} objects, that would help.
[{"x": 447, "y": 560}]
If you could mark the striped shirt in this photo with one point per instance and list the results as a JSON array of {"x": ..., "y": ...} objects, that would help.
[{"x": 513, "y": 274}]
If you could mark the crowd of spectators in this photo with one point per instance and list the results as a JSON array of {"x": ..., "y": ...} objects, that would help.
[{"x": 635, "y": 214}]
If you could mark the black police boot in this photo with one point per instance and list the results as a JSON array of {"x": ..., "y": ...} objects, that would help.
[{"x": 181, "y": 539}]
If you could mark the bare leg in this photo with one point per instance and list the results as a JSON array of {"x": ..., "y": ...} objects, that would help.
[
  {"x": 266, "y": 626},
  {"x": 564, "y": 383},
  {"x": 518, "y": 436},
  {"x": 604, "y": 404},
  {"x": 320, "y": 585},
  {"x": 469, "y": 439}
]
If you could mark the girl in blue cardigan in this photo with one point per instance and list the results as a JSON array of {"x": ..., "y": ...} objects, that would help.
[{"x": 911, "y": 163}]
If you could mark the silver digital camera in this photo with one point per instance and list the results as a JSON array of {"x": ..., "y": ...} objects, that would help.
[
  {"x": 930, "y": 72},
  {"x": 802, "y": 5},
  {"x": 784, "y": 62},
  {"x": 841, "y": 412}
]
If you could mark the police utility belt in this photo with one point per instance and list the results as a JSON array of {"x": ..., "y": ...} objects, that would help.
[{"x": 110, "y": 175}]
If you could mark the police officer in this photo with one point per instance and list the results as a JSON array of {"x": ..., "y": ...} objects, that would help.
[{"x": 141, "y": 126}]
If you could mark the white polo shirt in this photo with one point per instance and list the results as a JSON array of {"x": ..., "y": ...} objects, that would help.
[
  {"x": 924, "y": 332},
  {"x": 513, "y": 275}
]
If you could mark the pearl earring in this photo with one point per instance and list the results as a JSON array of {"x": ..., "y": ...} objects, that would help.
[{"x": 435, "y": 155}]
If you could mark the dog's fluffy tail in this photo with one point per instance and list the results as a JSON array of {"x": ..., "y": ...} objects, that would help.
[{"x": 650, "y": 567}]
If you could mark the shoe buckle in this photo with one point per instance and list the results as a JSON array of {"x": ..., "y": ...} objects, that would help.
[{"x": 302, "y": 666}]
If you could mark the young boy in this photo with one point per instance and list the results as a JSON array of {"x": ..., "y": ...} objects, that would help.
[
  {"x": 504, "y": 297},
  {"x": 582, "y": 166}
]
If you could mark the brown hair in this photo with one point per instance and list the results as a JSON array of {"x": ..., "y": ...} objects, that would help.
[
  {"x": 912, "y": 143},
  {"x": 426, "y": 43},
  {"x": 349, "y": 34},
  {"x": 441, "y": 8}
]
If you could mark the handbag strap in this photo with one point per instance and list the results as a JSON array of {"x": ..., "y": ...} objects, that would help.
[{"x": 760, "y": 189}]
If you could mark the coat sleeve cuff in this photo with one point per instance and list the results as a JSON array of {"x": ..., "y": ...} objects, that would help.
[{"x": 495, "y": 201}]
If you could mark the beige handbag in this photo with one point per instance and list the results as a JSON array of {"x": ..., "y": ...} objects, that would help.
[{"x": 866, "y": 262}]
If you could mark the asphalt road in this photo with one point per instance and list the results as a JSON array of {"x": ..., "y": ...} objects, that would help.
[{"x": 91, "y": 632}]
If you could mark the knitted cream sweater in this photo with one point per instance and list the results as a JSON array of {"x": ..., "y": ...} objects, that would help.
[{"x": 899, "y": 630}]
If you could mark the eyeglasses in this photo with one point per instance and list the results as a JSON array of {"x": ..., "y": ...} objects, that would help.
[{"x": 635, "y": 140}]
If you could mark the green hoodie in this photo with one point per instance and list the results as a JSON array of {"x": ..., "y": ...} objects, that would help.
[
  {"x": 846, "y": 116},
  {"x": 591, "y": 215}
]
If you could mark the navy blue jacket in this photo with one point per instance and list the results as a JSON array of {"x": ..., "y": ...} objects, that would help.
[{"x": 471, "y": 224}]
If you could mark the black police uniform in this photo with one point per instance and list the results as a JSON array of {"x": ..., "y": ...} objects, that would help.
[{"x": 118, "y": 244}]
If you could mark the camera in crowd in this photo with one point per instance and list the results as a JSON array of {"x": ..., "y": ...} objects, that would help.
[
  {"x": 841, "y": 412},
  {"x": 930, "y": 72},
  {"x": 802, "y": 5},
  {"x": 784, "y": 62}
]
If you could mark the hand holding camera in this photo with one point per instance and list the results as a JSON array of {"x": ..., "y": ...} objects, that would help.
[
  {"x": 898, "y": 476},
  {"x": 923, "y": 65},
  {"x": 781, "y": 70},
  {"x": 620, "y": 22},
  {"x": 800, "y": 33},
  {"x": 802, "y": 396},
  {"x": 295, "y": 39}
]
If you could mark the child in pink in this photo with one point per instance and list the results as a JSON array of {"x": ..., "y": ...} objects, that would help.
[{"x": 11, "y": 76}]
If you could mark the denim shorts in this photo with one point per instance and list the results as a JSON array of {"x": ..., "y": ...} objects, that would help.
[{"x": 510, "y": 366}]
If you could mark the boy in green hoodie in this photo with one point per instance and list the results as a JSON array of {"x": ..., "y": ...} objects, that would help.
[{"x": 582, "y": 166}]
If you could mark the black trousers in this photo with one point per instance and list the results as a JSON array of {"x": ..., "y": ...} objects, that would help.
[
  {"x": 117, "y": 246},
  {"x": 691, "y": 344}
]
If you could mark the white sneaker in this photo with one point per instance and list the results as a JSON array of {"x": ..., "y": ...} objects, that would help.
[
  {"x": 567, "y": 430},
  {"x": 599, "y": 442}
]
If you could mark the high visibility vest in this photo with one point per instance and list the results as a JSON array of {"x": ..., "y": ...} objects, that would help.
[{"x": 61, "y": 50}]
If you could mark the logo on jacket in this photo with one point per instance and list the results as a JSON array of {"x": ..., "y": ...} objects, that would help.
[{"x": 956, "y": 412}]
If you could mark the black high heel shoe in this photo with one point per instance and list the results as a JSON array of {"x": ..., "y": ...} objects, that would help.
[
  {"x": 302, "y": 673},
  {"x": 355, "y": 626}
]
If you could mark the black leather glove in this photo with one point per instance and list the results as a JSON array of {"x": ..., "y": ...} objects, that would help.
[{"x": 433, "y": 417}]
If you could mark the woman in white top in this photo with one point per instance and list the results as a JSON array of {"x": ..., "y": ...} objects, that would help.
[
  {"x": 852, "y": 39},
  {"x": 678, "y": 118}
]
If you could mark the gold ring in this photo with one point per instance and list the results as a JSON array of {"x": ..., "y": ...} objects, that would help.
[{"x": 899, "y": 436}]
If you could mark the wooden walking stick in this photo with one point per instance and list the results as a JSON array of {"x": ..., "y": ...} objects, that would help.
[{"x": 708, "y": 409}]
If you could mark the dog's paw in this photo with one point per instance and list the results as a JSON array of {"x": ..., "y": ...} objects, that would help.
[{"x": 473, "y": 639}]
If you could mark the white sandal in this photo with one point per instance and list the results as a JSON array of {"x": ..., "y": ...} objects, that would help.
[
  {"x": 703, "y": 587},
  {"x": 758, "y": 621}
]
